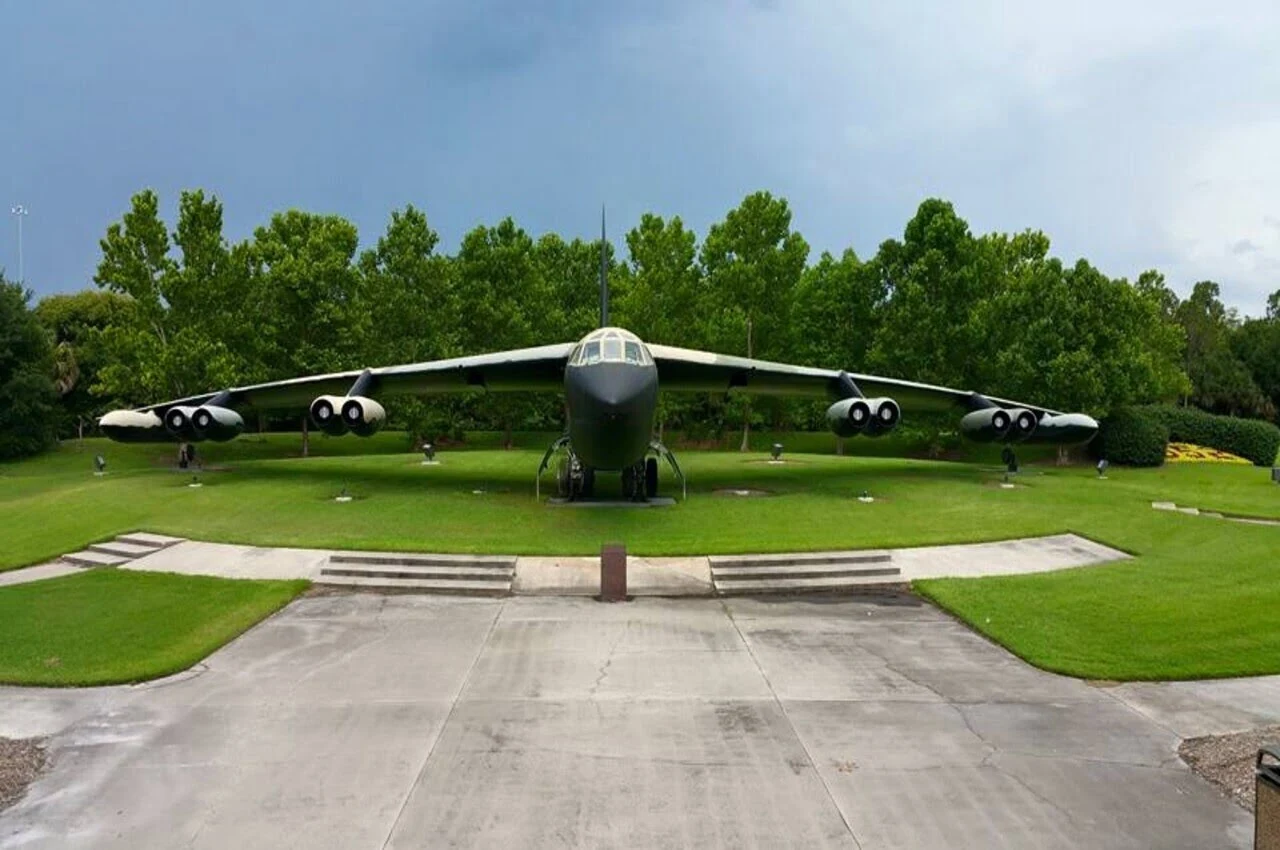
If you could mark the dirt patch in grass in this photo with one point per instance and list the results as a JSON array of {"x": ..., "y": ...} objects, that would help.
[
  {"x": 21, "y": 761},
  {"x": 1228, "y": 760}
]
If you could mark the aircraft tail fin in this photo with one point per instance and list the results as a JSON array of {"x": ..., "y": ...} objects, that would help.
[{"x": 604, "y": 275}]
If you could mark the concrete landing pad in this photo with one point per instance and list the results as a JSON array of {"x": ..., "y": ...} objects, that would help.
[{"x": 359, "y": 721}]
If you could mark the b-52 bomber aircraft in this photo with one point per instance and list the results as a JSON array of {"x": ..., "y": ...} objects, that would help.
[{"x": 610, "y": 379}]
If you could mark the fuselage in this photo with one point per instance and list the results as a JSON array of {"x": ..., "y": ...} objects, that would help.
[{"x": 611, "y": 397}]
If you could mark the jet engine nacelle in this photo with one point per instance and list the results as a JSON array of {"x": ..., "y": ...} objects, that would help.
[
  {"x": 869, "y": 416},
  {"x": 1065, "y": 429},
  {"x": 364, "y": 417},
  {"x": 326, "y": 413},
  {"x": 179, "y": 422},
  {"x": 994, "y": 424},
  {"x": 220, "y": 424},
  {"x": 134, "y": 426}
]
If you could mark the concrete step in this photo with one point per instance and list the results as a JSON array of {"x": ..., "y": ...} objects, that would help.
[
  {"x": 123, "y": 549},
  {"x": 425, "y": 585},
  {"x": 89, "y": 558},
  {"x": 393, "y": 559},
  {"x": 769, "y": 572},
  {"x": 730, "y": 587},
  {"x": 866, "y": 556},
  {"x": 146, "y": 538},
  {"x": 502, "y": 576}
]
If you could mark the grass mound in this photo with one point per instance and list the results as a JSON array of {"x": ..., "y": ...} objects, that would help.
[{"x": 111, "y": 626}]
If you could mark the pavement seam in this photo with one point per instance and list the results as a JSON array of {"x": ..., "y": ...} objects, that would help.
[
  {"x": 457, "y": 698},
  {"x": 724, "y": 605}
]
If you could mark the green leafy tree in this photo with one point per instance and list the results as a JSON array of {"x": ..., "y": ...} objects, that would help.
[
  {"x": 76, "y": 323},
  {"x": 502, "y": 293},
  {"x": 27, "y": 397},
  {"x": 752, "y": 263},
  {"x": 570, "y": 272},
  {"x": 182, "y": 335},
  {"x": 936, "y": 279},
  {"x": 412, "y": 310},
  {"x": 1220, "y": 382},
  {"x": 307, "y": 297}
]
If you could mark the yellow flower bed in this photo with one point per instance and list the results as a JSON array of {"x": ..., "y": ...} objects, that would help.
[{"x": 1191, "y": 453}]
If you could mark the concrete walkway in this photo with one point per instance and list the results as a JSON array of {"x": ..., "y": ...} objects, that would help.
[
  {"x": 363, "y": 721},
  {"x": 682, "y": 576}
]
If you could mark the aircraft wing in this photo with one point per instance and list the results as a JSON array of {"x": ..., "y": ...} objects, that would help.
[
  {"x": 539, "y": 368},
  {"x": 686, "y": 369}
]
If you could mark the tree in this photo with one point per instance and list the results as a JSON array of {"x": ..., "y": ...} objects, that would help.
[
  {"x": 75, "y": 323},
  {"x": 658, "y": 298},
  {"x": 752, "y": 262},
  {"x": 27, "y": 397},
  {"x": 1219, "y": 381},
  {"x": 570, "y": 273},
  {"x": 307, "y": 297},
  {"x": 412, "y": 309},
  {"x": 186, "y": 332},
  {"x": 502, "y": 293},
  {"x": 936, "y": 278}
]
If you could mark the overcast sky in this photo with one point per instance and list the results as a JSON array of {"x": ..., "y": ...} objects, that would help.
[{"x": 1135, "y": 136}]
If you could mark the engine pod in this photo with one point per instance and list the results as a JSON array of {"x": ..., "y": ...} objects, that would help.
[
  {"x": 1024, "y": 425},
  {"x": 364, "y": 417},
  {"x": 1065, "y": 429},
  {"x": 179, "y": 422},
  {"x": 885, "y": 416},
  {"x": 217, "y": 423},
  {"x": 988, "y": 425},
  {"x": 848, "y": 416},
  {"x": 134, "y": 426},
  {"x": 326, "y": 413}
]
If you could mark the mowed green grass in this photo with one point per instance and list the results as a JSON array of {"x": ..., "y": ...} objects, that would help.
[
  {"x": 1199, "y": 600},
  {"x": 111, "y": 626}
]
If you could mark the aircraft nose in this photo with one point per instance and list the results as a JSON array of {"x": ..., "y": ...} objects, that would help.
[{"x": 617, "y": 387}]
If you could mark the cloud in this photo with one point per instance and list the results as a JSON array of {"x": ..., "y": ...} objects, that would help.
[{"x": 1135, "y": 136}]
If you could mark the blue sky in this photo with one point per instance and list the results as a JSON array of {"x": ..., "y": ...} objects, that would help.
[{"x": 1135, "y": 135}]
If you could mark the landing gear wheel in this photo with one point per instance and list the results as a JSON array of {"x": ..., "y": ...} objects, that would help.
[
  {"x": 650, "y": 477},
  {"x": 564, "y": 480},
  {"x": 633, "y": 482}
]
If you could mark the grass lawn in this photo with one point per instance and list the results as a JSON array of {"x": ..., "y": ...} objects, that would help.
[
  {"x": 110, "y": 626},
  {"x": 1198, "y": 600}
]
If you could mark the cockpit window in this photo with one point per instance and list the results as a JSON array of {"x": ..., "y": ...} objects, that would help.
[{"x": 611, "y": 345}]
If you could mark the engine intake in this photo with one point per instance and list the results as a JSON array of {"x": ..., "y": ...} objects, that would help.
[
  {"x": 986, "y": 426},
  {"x": 364, "y": 417},
  {"x": 1024, "y": 425},
  {"x": 885, "y": 415},
  {"x": 220, "y": 424},
  {"x": 326, "y": 413},
  {"x": 871, "y": 416},
  {"x": 178, "y": 421}
]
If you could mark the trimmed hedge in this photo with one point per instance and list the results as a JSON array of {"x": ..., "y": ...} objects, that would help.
[
  {"x": 1253, "y": 439},
  {"x": 1131, "y": 437}
]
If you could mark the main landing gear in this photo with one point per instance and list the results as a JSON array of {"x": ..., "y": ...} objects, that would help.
[{"x": 576, "y": 480}]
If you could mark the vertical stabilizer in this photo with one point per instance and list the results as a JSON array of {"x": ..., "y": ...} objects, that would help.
[{"x": 604, "y": 275}]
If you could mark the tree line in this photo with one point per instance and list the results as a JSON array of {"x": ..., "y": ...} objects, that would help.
[{"x": 183, "y": 310}]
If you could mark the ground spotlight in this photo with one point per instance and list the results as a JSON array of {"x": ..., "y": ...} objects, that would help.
[
  {"x": 429, "y": 453},
  {"x": 195, "y": 481},
  {"x": 344, "y": 496},
  {"x": 99, "y": 465},
  {"x": 775, "y": 451},
  {"x": 865, "y": 497},
  {"x": 1103, "y": 465}
]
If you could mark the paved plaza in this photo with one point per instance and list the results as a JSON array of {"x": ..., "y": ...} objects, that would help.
[{"x": 398, "y": 721}]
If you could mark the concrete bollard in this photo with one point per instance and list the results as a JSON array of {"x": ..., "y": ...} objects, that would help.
[{"x": 613, "y": 572}]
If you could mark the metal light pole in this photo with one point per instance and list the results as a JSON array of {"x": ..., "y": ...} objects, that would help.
[{"x": 20, "y": 212}]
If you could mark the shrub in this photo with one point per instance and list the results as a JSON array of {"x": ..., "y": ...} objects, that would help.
[
  {"x": 1253, "y": 439},
  {"x": 1132, "y": 437}
]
